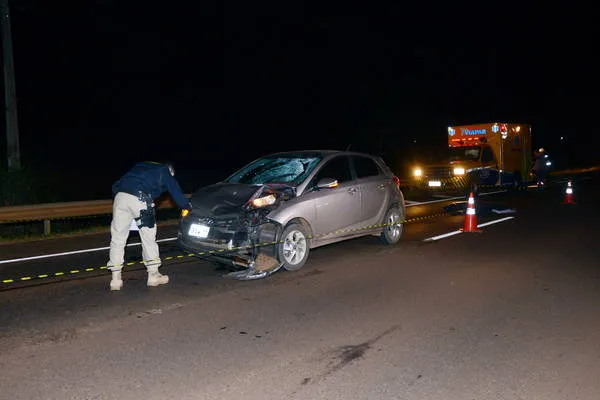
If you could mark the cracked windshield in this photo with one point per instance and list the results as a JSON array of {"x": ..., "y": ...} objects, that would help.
[{"x": 292, "y": 170}]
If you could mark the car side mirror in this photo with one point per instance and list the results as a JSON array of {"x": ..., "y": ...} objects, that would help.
[{"x": 327, "y": 183}]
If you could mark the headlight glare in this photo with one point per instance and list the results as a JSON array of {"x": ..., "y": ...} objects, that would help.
[
  {"x": 459, "y": 171},
  {"x": 418, "y": 172}
]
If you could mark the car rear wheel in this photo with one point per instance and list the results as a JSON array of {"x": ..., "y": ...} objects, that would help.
[
  {"x": 392, "y": 230},
  {"x": 294, "y": 247}
]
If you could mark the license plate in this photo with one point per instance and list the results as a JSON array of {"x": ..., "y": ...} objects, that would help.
[
  {"x": 198, "y": 230},
  {"x": 435, "y": 183}
]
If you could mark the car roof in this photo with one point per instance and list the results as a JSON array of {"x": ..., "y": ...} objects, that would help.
[{"x": 309, "y": 153}]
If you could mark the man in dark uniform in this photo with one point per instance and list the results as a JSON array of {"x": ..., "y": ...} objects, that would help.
[{"x": 134, "y": 194}]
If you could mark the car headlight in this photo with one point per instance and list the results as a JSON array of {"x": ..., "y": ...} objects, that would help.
[
  {"x": 459, "y": 171},
  {"x": 418, "y": 172},
  {"x": 264, "y": 201},
  {"x": 184, "y": 213}
]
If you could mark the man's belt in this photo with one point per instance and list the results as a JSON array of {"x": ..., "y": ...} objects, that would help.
[{"x": 145, "y": 197}]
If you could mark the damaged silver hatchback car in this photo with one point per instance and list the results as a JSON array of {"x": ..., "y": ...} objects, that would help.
[{"x": 272, "y": 212}]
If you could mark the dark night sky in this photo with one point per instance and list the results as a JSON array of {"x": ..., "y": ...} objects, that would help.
[{"x": 103, "y": 84}]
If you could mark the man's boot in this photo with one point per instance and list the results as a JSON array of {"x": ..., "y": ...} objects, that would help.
[
  {"x": 116, "y": 283},
  {"x": 155, "y": 278}
]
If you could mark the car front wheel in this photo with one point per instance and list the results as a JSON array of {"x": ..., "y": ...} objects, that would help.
[
  {"x": 392, "y": 230},
  {"x": 294, "y": 247}
]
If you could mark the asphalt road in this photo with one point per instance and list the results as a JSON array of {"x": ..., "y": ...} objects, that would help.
[{"x": 508, "y": 313}]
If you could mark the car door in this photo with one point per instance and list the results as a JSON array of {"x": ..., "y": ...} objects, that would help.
[
  {"x": 337, "y": 209},
  {"x": 374, "y": 189},
  {"x": 488, "y": 175}
]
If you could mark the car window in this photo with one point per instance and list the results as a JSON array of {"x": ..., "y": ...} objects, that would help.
[
  {"x": 365, "y": 167},
  {"x": 464, "y": 154},
  {"x": 337, "y": 168},
  {"x": 487, "y": 155},
  {"x": 283, "y": 169}
]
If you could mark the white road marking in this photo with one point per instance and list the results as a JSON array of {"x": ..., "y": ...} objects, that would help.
[
  {"x": 445, "y": 235},
  {"x": 420, "y": 203},
  {"x": 494, "y": 222},
  {"x": 68, "y": 253},
  {"x": 504, "y": 211}
]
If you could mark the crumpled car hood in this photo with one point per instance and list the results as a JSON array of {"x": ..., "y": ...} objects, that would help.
[{"x": 228, "y": 199}]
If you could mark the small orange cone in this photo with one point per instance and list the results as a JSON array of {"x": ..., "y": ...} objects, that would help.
[
  {"x": 569, "y": 195},
  {"x": 471, "y": 218}
]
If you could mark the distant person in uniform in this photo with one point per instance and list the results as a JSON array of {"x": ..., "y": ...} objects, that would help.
[{"x": 134, "y": 194}]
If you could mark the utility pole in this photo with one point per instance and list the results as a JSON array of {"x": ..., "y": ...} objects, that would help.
[{"x": 10, "y": 93}]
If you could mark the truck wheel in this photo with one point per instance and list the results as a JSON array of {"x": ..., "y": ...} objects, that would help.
[
  {"x": 392, "y": 231},
  {"x": 294, "y": 248}
]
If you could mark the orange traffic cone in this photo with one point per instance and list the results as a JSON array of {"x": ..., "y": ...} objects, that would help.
[
  {"x": 569, "y": 195},
  {"x": 471, "y": 218}
]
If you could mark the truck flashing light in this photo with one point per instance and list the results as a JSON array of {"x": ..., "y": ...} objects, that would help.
[{"x": 469, "y": 141}]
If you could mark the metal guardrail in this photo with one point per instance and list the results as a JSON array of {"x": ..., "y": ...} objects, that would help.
[
  {"x": 55, "y": 211},
  {"x": 576, "y": 171},
  {"x": 38, "y": 212},
  {"x": 461, "y": 182}
]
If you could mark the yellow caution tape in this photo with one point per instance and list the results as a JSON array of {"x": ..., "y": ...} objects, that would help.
[{"x": 211, "y": 252}]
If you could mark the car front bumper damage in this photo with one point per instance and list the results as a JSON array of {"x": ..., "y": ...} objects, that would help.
[{"x": 249, "y": 243}]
